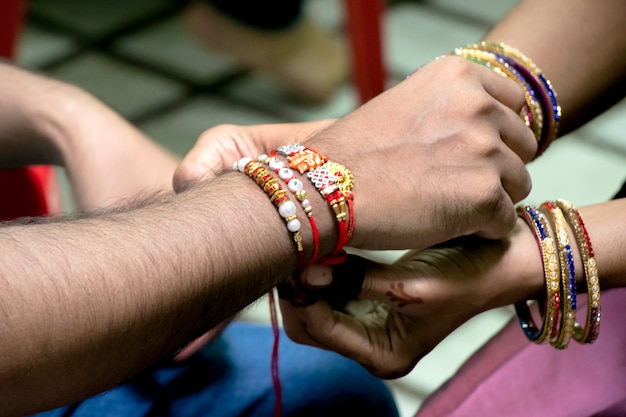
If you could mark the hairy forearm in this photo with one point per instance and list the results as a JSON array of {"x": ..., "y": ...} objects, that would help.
[
  {"x": 579, "y": 45},
  {"x": 87, "y": 303}
]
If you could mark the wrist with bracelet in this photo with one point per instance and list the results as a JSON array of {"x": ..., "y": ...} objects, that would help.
[
  {"x": 282, "y": 174},
  {"x": 556, "y": 225}
]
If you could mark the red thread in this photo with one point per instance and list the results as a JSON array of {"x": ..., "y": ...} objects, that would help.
[
  {"x": 350, "y": 202},
  {"x": 274, "y": 361},
  {"x": 339, "y": 255},
  {"x": 336, "y": 199},
  {"x": 342, "y": 239},
  {"x": 316, "y": 240},
  {"x": 301, "y": 260}
]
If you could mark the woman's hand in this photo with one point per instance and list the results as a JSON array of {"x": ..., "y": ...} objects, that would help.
[
  {"x": 405, "y": 309},
  {"x": 217, "y": 148}
]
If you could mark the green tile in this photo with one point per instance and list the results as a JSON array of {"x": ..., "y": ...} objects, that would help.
[
  {"x": 37, "y": 47},
  {"x": 169, "y": 46},
  {"x": 129, "y": 90},
  {"x": 179, "y": 130},
  {"x": 95, "y": 18}
]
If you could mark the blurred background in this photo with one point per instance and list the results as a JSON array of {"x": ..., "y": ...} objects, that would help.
[{"x": 146, "y": 60}]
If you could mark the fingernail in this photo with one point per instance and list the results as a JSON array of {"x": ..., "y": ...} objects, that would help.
[{"x": 317, "y": 275}]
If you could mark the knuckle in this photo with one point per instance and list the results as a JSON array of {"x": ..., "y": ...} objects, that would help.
[
  {"x": 487, "y": 107},
  {"x": 515, "y": 93},
  {"x": 501, "y": 220},
  {"x": 494, "y": 205},
  {"x": 524, "y": 188},
  {"x": 492, "y": 196},
  {"x": 530, "y": 147}
]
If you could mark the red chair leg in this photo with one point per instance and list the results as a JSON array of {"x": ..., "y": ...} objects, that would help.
[
  {"x": 365, "y": 32},
  {"x": 11, "y": 17},
  {"x": 30, "y": 191}
]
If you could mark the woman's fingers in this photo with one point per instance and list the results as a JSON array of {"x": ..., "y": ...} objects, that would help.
[{"x": 217, "y": 148}]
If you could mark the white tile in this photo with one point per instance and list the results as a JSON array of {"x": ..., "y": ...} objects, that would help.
[
  {"x": 67, "y": 199},
  {"x": 328, "y": 13},
  {"x": 607, "y": 130},
  {"x": 415, "y": 35},
  {"x": 477, "y": 10},
  {"x": 577, "y": 170},
  {"x": 258, "y": 312},
  {"x": 127, "y": 89},
  {"x": 407, "y": 400}
]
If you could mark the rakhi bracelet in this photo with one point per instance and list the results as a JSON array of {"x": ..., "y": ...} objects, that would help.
[
  {"x": 548, "y": 250},
  {"x": 588, "y": 333},
  {"x": 296, "y": 186},
  {"x": 535, "y": 76},
  {"x": 334, "y": 182},
  {"x": 568, "y": 277},
  {"x": 286, "y": 208},
  {"x": 531, "y": 112},
  {"x": 324, "y": 179}
]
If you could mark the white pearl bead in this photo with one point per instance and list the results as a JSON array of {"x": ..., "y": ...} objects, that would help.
[
  {"x": 287, "y": 209},
  {"x": 235, "y": 166},
  {"x": 285, "y": 173},
  {"x": 305, "y": 203},
  {"x": 241, "y": 165},
  {"x": 293, "y": 225},
  {"x": 295, "y": 185},
  {"x": 276, "y": 164},
  {"x": 261, "y": 157}
]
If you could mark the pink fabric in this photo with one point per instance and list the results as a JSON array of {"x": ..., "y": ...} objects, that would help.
[{"x": 510, "y": 376}]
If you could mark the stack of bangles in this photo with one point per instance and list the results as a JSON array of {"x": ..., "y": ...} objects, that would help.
[
  {"x": 280, "y": 169},
  {"x": 541, "y": 113},
  {"x": 556, "y": 225}
]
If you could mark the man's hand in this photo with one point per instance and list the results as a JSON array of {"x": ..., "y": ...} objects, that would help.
[{"x": 440, "y": 155}]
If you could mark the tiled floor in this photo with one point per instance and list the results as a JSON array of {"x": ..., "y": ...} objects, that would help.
[{"x": 137, "y": 58}]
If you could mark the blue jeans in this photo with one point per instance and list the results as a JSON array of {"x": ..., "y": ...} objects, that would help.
[{"x": 231, "y": 377}]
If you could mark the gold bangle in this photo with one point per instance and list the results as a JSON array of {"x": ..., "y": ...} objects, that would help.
[
  {"x": 544, "y": 87},
  {"x": 567, "y": 316},
  {"x": 588, "y": 333},
  {"x": 547, "y": 247},
  {"x": 534, "y": 118}
]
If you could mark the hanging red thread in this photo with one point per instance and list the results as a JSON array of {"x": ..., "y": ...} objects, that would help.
[{"x": 274, "y": 361}]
